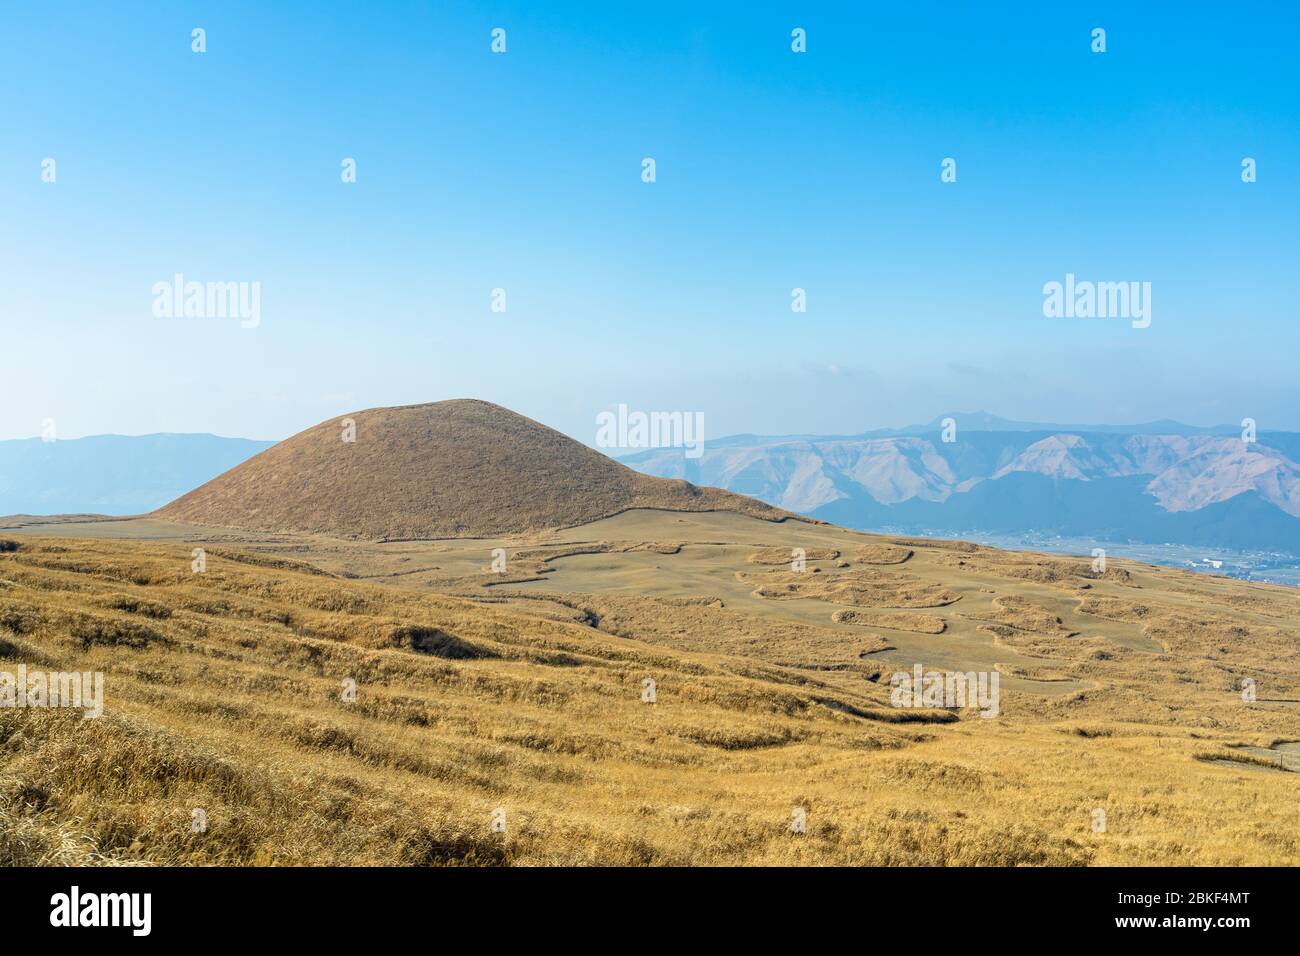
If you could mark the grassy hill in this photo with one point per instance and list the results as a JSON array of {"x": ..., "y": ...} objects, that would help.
[{"x": 448, "y": 469}]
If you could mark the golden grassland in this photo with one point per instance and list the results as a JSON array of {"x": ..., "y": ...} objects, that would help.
[{"x": 524, "y": 692}]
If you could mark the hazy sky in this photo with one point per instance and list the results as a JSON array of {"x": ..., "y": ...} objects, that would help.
[{"x": 522, "y": 171}]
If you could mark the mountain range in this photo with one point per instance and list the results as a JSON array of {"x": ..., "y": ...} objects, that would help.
[{"x": 1156, "y": 483}]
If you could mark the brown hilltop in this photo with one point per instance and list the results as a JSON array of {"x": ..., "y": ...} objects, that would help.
[{"x": 461, "y": 468}]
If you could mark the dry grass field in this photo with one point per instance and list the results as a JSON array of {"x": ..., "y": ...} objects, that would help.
[{"x": 518, "y": 696}]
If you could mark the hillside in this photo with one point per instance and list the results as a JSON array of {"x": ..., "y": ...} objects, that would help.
[
  {"x": 521, "y": 696},
  {"x": 450, "y": 469}
]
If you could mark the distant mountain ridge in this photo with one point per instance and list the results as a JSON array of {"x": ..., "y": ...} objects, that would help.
[
  {"x": 1159, "y": 482},
  {"x": 986, "y": 422},
  {"x": 112, "y": 474},
  {"x": 1202, "y": 486}
]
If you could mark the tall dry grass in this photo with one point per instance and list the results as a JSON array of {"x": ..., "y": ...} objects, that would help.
[{"x": 225, "y": 694}]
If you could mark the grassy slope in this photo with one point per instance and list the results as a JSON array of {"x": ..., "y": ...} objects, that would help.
[
  {"x": 448, "y": 469},
  {"x": 224, "y": 693}
]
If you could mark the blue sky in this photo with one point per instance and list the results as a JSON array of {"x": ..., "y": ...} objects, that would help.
[{"x": 522, "y": 170}]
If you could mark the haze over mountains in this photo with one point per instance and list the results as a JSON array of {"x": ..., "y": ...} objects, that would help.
[
  {"x": 112, "y": 474},
  {"x": 1159, "y": 483}
]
